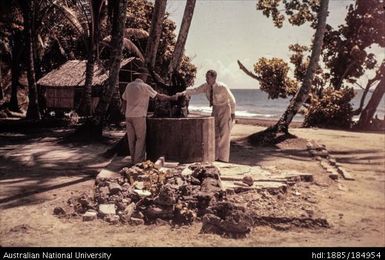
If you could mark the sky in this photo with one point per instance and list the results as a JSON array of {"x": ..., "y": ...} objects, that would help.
[{"x": 223, "y": 31}]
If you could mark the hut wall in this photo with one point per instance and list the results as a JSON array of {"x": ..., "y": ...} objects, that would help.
[{"x": 59, "y": 97}]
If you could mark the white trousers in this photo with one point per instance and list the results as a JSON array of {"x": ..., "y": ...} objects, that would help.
[
  {"x": 223, "y": 126},
  {"x": 136, "y": 133}
]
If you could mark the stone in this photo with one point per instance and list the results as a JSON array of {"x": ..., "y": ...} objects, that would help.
[
  {"x": 89, "y": 216},
  {"x": 142, "y": 193},
  {"x": 156, "y": 212},
  {"x": 59, "y": 211},
  {"x": 345, "y": 174},
  {"x": 211, "y": 185},
  {"x": 247, "y": 179},
  {"x": 324, "y": 164},
  {"x": 112, "y": 219},
  {"x": 114, "y": 188},
  {"x": 137, "y": 214},
  {"x": 167, "y": 196},
  {"x": 104, "y": 190},
  {"x": 139, "y": 185},
  {"x": 107, "y": 175},
  {"x": 332, "y": 161},
  {"x": 107, "y": 209},
  {"x": 129, "y": 210},
  {"x": 186, "y": 171},
  {"x": 136, "y": 221}
]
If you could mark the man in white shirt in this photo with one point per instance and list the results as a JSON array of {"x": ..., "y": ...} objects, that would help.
[
  {"x": 135, "y": 105},
  {"x": 223, "y": 103}
]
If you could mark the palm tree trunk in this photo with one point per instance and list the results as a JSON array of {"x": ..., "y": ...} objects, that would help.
[
  {"x": 17, "y": 50},
  {"x": 364, "y": 93},
  {"x": 155, "y": 32},
  {"x": 85, "y": 106},
  {"x": 1, "y": 84},
  {"x": 182, "y": 37},
  {"x": 33, "y": 106},
  {"x": 303, "y": 92},
  {"x": 368, "y": 112},
  {"x": 119, "y": 20}
]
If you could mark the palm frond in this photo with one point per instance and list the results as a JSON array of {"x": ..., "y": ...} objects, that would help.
[
  {"x": 72, "y": 17},
  {"x": 135, "y": 33},
  {"x": 127, "y": 44}
]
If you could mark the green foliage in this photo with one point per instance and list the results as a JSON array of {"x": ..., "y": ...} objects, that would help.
[
  {"x": 333, "y": 109},
  {"x": 139, "y": 14},
  {"x": 298, "y": 12},
  {"x": 346, "y": 56},
  {"x": 346, "y": 48},
  {"x": 57, "y": 40},
  {"x": 273, "y": 78}
]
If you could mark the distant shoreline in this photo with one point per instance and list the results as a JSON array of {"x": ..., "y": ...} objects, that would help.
[{"x": 256, "y": 121}]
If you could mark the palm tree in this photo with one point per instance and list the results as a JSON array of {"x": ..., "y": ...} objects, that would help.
[
  {"x": 368, "y": 112},
  {"x": 155, "y": 32},
  {"x": 280, "y": 129},
  {"x": 182, "y": 37},
  {"x": 27, "y": 8},
  {"x": 118, "y": 23}
]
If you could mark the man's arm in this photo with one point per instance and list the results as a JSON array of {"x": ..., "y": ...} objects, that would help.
[
  {"x": 194, "y": 91},
  {"x": 232, "y": 103},
  {"x": 163, "y": 97},
  {"x": 124, "y": 105}
]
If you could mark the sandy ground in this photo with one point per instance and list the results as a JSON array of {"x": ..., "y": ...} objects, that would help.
[{"x": 37, "y": 174}]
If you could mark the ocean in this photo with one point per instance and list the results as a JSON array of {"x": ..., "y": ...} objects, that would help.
[{"x": 253, "y": 103}]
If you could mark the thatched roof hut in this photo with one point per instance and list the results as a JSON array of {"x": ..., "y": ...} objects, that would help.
[
  {"x": 72, "y": 74},
  {"x": 63, "y": 86}
]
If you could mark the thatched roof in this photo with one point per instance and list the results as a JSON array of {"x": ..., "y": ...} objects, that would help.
[{"x": 72, "y": 74}]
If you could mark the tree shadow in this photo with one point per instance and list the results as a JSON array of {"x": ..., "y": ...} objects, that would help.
[{"x": 31, "y": 166}]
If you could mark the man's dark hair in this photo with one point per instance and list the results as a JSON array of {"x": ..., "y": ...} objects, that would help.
[{"x": 212, "y": 73}]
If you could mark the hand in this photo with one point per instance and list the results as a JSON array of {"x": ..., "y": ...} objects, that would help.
[{"x": 174, "y": 97}]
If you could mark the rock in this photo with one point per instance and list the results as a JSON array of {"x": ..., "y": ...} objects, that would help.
[
  {"x": 114, "y": 188},
  {"x": 142, "y": 193},
  {"x": 121, "y": 205},
  {"x": 139, "y": 185},
  {"x": 112, "y": 219},
  {"x": 59, "y": 211},
  {"x": 186, "y": 172},
  {"x": 332, "y": 161},
  {"x": 345, "y": 174},
  {"x": 309, "y": 145},
  {"x": 247, "y": 179},
  {"x": 227, "y": 219},
  {"x": 107, "y": 209},
  {"x": 104, "y": 190},
  {"x": 161, "y": 222},
  {"x": 89, "y": 216},
  {"x": 211, "y": 185},
  {"x": 107, "y": 175},
  {"x": 167, "y": 196},
  {"x": 129, "y": 210},
  {"x": 333, "y": 175},
  {"x": 156, "y": 212},
  {"x": 195, "y": 181},
  {"x": 137, "y": 214},
  {"x": 136, "y": 221}
]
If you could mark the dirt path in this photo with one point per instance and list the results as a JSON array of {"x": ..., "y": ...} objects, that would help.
[{"x": 38, "y": 174}]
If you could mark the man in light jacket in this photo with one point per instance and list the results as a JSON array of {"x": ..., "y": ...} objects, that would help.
[
  {"x": 223, "y": 103},
  {"x": 135, "y": 106}
]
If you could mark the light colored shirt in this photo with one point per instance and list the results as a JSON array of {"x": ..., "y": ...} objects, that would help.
[
  {"x": 137, "y": 96},
  {"x": 222, "y": 94}
]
